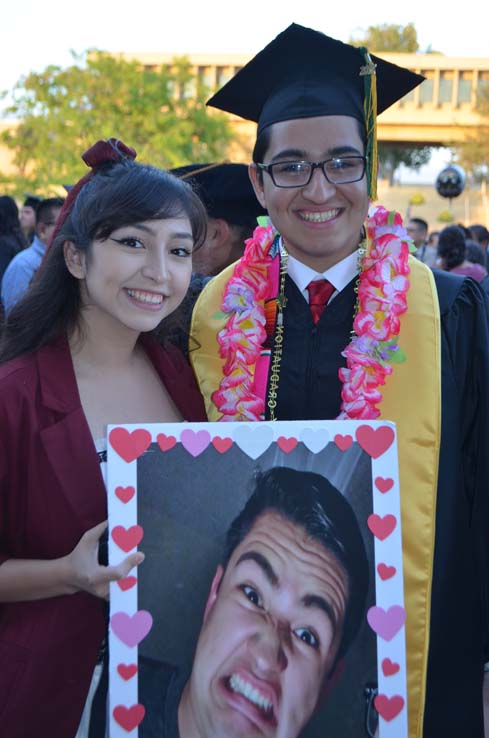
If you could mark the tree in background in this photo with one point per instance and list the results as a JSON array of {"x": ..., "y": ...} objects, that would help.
[
  {"x": 392, "y": 156},
  {"x": 473, "y": 155},
  {"x": 62, "y": 112},
  {"x": 391, "y": 37}
]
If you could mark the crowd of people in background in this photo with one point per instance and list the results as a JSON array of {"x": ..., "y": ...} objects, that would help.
[
  {"x": 459, "y": 249},
  {"x": 232, "y": 211}
]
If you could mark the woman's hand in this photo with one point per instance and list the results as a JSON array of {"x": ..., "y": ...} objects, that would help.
[{"x": 83, "y": 570}]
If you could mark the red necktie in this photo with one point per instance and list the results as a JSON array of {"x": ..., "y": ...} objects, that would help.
[{"x": 319, "y": 293}]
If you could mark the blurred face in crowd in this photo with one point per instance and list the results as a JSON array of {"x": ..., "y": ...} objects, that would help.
[{"x": 27, "y": 219}]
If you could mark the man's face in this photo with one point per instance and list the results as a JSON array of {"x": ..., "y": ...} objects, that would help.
[
  {"x": 321, "y": 222},
  {"x": 417, "y": 233},
  {"x": 45, "y": 230},
  {"x": 27, "y": 218},
  {"x": 271, "y": 631}
]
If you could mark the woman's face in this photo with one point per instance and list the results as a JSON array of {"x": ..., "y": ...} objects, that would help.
[{"x": 138, "y": 275}]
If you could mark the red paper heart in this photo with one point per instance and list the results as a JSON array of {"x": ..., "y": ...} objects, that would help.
[
  {"x": 129, "y": 717},
  {"x": 166, "y": 442},
  {"x": 287, "y": 444},
  {"x": 125, "y": 493},
  {"x": 343, "y": 442},
  {"x": 386, "y": 572},
  {"x": 389, "y": 667},
  {"x": 375, "y": 440},
  {"x": 127, "y": 671},
  {"x": 384, "y": 485},
  {"x": 388, "y": 707},
  {"x": 126, "y": 583},
  {"x": 127, "y": 538},
  {"x": 129, "y": 446},
  {"x": 222, "y": 444},
  {"x": 381, "y": 527}
]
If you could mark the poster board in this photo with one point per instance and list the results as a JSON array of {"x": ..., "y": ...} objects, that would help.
[{"x": 173, "y": 490}]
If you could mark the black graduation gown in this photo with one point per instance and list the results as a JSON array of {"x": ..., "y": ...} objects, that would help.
[{"x": 460, "y": 591}]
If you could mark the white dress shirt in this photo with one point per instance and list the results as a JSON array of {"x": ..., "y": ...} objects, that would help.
[{"x": 338, "y": 275}]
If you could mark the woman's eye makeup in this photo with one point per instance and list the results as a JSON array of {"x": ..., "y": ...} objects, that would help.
[
  {"x": 182, "y": 251},
  {"x": 131, "y": 241}
]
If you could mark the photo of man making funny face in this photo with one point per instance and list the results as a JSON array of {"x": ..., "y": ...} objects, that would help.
[{"x": 283, "y": 607}]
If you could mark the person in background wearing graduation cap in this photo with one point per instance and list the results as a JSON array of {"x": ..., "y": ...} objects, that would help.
[
  {"x": 27, "y": 216},
  {"x": 327, "y": 315},
  {"x": 232, "y": 210},
  {"x": 22, "y": 268}
]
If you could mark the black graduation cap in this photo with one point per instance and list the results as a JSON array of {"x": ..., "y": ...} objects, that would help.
[
  {"x": 31, "y": 201},
  {"x": 303, "y": 73},
  {"x": 225, "y": 190}
]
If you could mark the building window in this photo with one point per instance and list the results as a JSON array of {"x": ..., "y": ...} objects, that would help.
[
  {"x": 223, "y": 75},
  {"x": 464, "y": 87},
  {"x": 446, "y": 87},
  {"x": 426, "y": 88},
  {"x": 482, "y": 81},
  {"x": 205, "y": 77}
]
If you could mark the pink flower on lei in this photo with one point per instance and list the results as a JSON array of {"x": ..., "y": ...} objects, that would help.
[{"x": 383, "y": 285}]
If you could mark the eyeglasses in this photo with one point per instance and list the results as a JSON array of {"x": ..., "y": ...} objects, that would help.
[{"x": 339, "y": 170}]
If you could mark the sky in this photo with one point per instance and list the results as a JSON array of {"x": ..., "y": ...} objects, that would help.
[{"x": 35, "y": 34}]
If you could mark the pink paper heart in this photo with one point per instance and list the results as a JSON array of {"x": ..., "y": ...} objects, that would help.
[
  {"x": 129, "y": 717},
  {"x": 130, "y": 445},
  {"x": 131, "y": 629},
  {"x": 381, "y": 527},
  {"x": 389, "y": 707},
  {"x": 375, "y": 440},
  {"x": 385, "y": 571},
  {"x": 287, "y": 444},
  {"x": 389, "y": 668},
  {"x": 386, "y": 623},
  {"x": 195, "y": 441},
  {"x": 127, "y": 538},
  {"x": 127, "y": 671},
  {"x": 384, "y": 484},
  {"x": 222, "y": 444},
  {"x": 343, "y": 442}
]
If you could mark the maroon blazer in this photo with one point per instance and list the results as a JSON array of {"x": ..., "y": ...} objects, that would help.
[{"x": 51, "y": 492}]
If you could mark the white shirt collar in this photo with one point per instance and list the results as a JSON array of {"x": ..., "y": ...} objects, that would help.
[{"x": 340, "y": 274}]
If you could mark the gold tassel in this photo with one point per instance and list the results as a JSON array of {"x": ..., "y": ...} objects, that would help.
[{"x": 368, "y": 72}]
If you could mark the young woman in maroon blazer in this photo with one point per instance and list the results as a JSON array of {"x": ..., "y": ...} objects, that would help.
[{"x": 77, "y": 354}]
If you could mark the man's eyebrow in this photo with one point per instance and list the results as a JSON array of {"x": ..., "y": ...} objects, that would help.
[
  {"x": 312, "y": 600},
  {"x": 290, "y": 154},
  {"x": 263, "y": 563},
  {"x": 302, "y": 154},
  {"x": 344, "y": 150}
]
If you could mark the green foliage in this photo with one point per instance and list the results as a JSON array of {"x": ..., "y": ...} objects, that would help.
[
  {"x": 388, "y": 37},
  {"x": 446, "y": 216},
  {"x": 473, "y": 154},
  {"x": 391, "y": 157},
  {"x": 417, "y": 199},
  {"x": 62, "y": 112}
]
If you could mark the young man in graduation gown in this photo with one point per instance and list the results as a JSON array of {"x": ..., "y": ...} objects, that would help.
[{"x": 326, "y": 315}]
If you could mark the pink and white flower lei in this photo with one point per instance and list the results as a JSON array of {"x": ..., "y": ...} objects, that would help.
[{"x": 382, "y": 290}]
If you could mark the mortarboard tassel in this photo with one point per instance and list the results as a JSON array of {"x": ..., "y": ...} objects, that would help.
[{"x": 370, "y": 109}]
